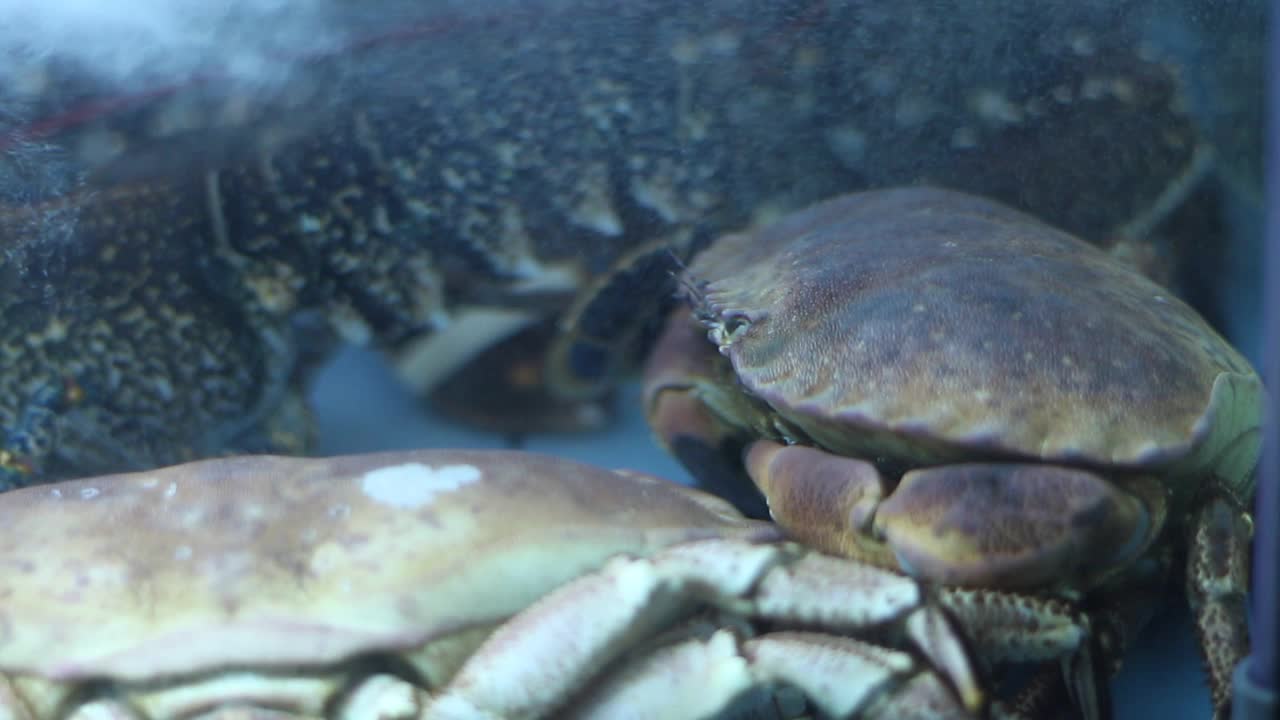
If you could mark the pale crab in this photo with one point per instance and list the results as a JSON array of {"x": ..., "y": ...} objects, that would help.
[
  {"x": 932, "y": 382},
  {"x": 384, "y": 586}
]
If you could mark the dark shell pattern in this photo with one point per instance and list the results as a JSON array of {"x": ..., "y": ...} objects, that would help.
[{"x": 923, "y": 325}]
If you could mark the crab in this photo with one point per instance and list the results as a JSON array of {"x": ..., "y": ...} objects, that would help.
[
  {"x": 457, "y": 584},
  {"x": 933, "y": 382},
  {"x": 176, "y": 260}
]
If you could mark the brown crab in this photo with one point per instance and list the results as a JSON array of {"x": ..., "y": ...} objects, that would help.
[
  {"x": 949, "y": 387},
  {"x": 175, "y": 259},
  {"x": 371, "y": 586}
]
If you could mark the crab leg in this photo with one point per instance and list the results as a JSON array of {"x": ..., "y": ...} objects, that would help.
[
  {"x": 383, "y": 697},
  {"x": 1041, "y": 525},
  {"x": 1217, "y": 582},
  {"x": 683, "y": 422},
  {"x": 702, "y": 676},
  {"x": 552, "y": 649},
  {"x": 27, "y": 698},
  {"x": 1043, "y": 693}
]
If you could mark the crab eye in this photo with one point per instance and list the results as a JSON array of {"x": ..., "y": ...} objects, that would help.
[
  {"x": 734, "y": 325},
  {"x": 726, "y": 329}
]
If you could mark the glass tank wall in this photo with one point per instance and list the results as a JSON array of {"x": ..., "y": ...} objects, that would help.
[{"x": 335, "y": 227}]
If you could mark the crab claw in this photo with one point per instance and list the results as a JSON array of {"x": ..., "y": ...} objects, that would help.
[
  {"x": 823, "y": 500},
  {"x": 683, "y": 423},
  {"x": 981, "y": 524},
  {"x": 1013, "y": 525}
]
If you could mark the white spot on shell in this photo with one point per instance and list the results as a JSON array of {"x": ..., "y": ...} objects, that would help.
[
  {"x": 171, "y": 490},
  {"x": 56, "y": 493},
  {"x": 150, "y": 482},
  {"x": 414, "y": 485},
  {"x": 182, "y": 552},
  {"x": 89, "y": 493}
]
